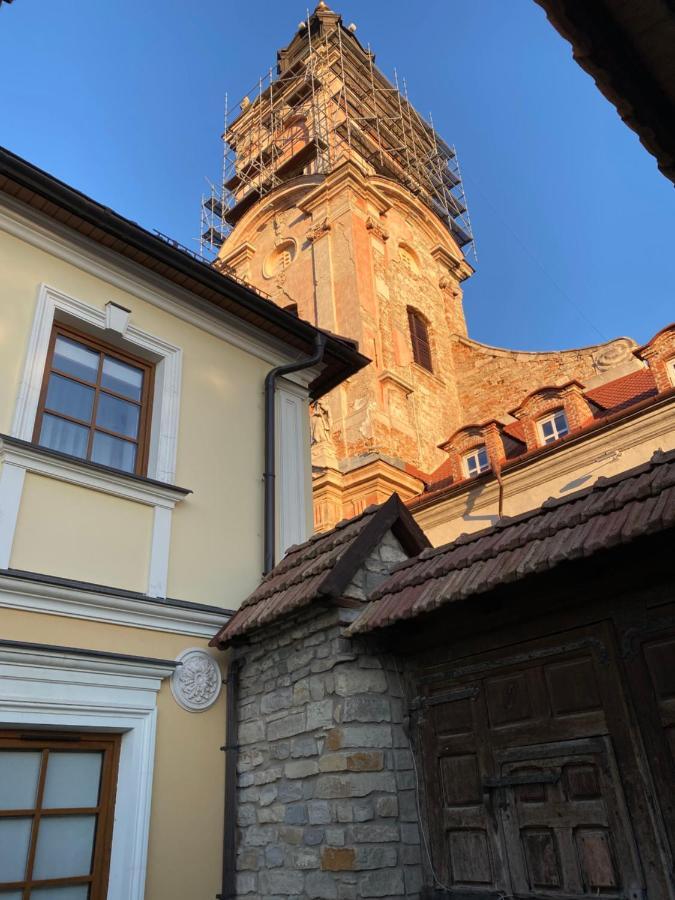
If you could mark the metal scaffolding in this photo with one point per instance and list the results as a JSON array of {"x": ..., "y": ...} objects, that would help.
[{"x": 328, "y": 103}]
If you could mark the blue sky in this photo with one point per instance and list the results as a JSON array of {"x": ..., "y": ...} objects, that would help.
[{"x": 574, "y": 225}]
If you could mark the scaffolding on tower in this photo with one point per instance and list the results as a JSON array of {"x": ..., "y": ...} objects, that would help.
[{"x": 325, "y": 104}]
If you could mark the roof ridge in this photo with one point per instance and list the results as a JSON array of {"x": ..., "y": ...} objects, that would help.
[{"x": 548, "y": 507}]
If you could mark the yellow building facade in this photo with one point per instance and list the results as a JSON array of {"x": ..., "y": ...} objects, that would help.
[{"x": 131, "y": 523}]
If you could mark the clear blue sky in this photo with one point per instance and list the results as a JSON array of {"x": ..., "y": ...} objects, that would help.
[{"x": 574, "y": 225}]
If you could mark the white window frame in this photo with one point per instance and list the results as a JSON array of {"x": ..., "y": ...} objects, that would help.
[
  {"x": 163, "y": 429},
  {"x": 168, "y": 363},
  {"x": 556, "y": 433},
  {"x": 670, "y": 367},
  {"x": 293, "y": 464},
  {"x": 57, "y": 688},
  {"x": 474, "y": 454}
]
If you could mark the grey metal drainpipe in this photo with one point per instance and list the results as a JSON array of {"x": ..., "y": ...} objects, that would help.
[
  {"x": 270, "y": 448},
  {"x": 228, "y": 890}
]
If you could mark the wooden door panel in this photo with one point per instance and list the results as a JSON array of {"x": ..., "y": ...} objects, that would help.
[
  {"x": 536, "y": 715},
  {"x": 571, "y": 833}
]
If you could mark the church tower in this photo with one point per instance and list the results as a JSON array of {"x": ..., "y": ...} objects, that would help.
[{"x": 343, "y": 205}]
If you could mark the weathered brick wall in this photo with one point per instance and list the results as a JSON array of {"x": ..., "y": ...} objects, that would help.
[
  {"x": 326, "y": 797},
  {"x": 493, "y": 381}
]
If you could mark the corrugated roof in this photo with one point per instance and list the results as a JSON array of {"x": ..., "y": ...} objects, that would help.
[
  {"x": 322, "y": 567},
  {"x": 613, "y": 511}
]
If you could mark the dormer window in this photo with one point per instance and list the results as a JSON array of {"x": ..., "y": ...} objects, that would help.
[
  {"x": 476, "y": 462},
  {"x": 553, "y": 427},
  {"x": 419, "y": 338}
]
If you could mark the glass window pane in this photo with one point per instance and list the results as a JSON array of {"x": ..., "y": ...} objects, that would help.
[
  {"x": 72, "y": 780},
  {"x": 112, "y": 451},
  {"x": 75, "y": 359},
  {"x": 561, "y": 424},
  {"x": 11, "y": 895},
  {"x": 64, "y": 846},
  {"x": 14, "y": 841},
  {"x": 69, "y": 892},
  {"x": 70, "y": 398},
  {"x": 19, "y": 772},
  {"x": 117, "y": 415},
  {"x": 122, "y": 378},
  {"x": 64, "y": 436}
]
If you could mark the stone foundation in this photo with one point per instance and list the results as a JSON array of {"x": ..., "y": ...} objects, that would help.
[{"x": 326, "y": 794}]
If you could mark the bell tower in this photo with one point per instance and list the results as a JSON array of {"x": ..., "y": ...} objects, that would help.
[{"x": 343, "y": 204}]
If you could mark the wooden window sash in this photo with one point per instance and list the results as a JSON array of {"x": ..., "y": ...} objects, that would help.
[
  {"x": 109, "y": 746},
  {"x": 142, "y": 440},
  {"x": 419, "y": 336}
]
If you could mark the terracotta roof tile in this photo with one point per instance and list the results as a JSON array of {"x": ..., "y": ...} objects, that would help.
[
  {"x": 613, "y": 511},
  {"x": 322, "y": 567},
  {"x": 629, "y": 389}
]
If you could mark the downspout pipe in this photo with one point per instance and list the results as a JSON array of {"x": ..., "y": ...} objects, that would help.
[
  {"x": 269, "y": 476},
  {"x": 228, "y": 890}
]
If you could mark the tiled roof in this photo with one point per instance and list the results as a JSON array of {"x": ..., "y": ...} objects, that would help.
[
  {"x": 632, "y": 388},
  {"x": 612, "y": 397},
  {"x": 322, "y": 567},
  {"x": 612, "y": 512}
]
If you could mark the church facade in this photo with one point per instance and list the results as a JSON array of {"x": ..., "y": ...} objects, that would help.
[{"x": 344, "y": 205}]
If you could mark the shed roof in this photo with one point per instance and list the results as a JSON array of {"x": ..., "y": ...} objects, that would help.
[
  {"x": 322, "y": 567},
  {"x": 612, "y": 512}
]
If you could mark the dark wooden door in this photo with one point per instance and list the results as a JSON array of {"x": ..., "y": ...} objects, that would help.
[{"x": 524, "y": 792}]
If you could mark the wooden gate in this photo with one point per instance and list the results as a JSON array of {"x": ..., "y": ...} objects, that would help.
[{"x": 537, "y": 781}]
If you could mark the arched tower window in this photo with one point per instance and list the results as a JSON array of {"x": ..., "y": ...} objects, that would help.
[{"x": 419, "y": 338}]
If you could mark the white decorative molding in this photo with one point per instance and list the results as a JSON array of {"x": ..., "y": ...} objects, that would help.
[
  {"x": 50, "y": 237},
  {"x": 167, "y": 357},
  {"x": 57, "y": 688},
  {"x": 18, "y": 459},
  {"x": 11, "y": 488},
  {"x": 196, "y": 683},
  {"x": 292, "y": 466},
  {"x": 116, "y": 609},
  {"x": 117, "y": 317}
]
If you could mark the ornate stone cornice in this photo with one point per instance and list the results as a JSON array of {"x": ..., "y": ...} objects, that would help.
[{"x": 376, "y": 229}]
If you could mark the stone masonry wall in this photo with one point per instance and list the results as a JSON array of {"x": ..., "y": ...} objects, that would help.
[{"x": 326, "y": 798}]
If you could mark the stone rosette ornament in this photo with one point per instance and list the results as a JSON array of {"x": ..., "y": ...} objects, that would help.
[{"x": 197, "y": 681}]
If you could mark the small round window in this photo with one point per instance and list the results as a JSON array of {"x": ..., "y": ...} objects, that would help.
[{"x": 279, "y": 259}]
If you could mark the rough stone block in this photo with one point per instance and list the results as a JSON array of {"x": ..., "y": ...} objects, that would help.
[
  {"x": 366, "y": 761},
  {"x": 296, "y": 814},
  {"x": 321, "y": 886},
  {"x": 251, "y": 732},
  {"x": 301, "y": 768},
  {"x": 335, "y": 837},
  {"x": 333, "y": 762},
  {"x": 353, "y": 680},
  {"x": 280, "y": 881},
  {"x": 276, "y": 700},
  {"x": 318, "y": 812},
  {"x": 274, "y": 856},
  {"x": 363, "y": 810},
  {"x": 366, "y": 736},
  {"x": 319, "y": 714},
  {"x": 305, "y": 858},
  {"x": 366, "y": 709},
  {"x": 303, "y": 745},
  {"x": 293, "y": 723},
  {"x": 338, "y": 859},
  {"x": 375, "y": 857},
  {"x": 386, "y": 807},
  {"x": 382, "y": 883},
  {"x": 247, "y": 883},
  {"x": 312, "y": 837},
  {"x": 288, "y": 791},
  {"x": 376, "y": 834}
]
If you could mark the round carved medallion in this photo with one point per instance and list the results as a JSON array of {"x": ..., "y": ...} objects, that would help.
[{"x": 196, "y": 683}]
